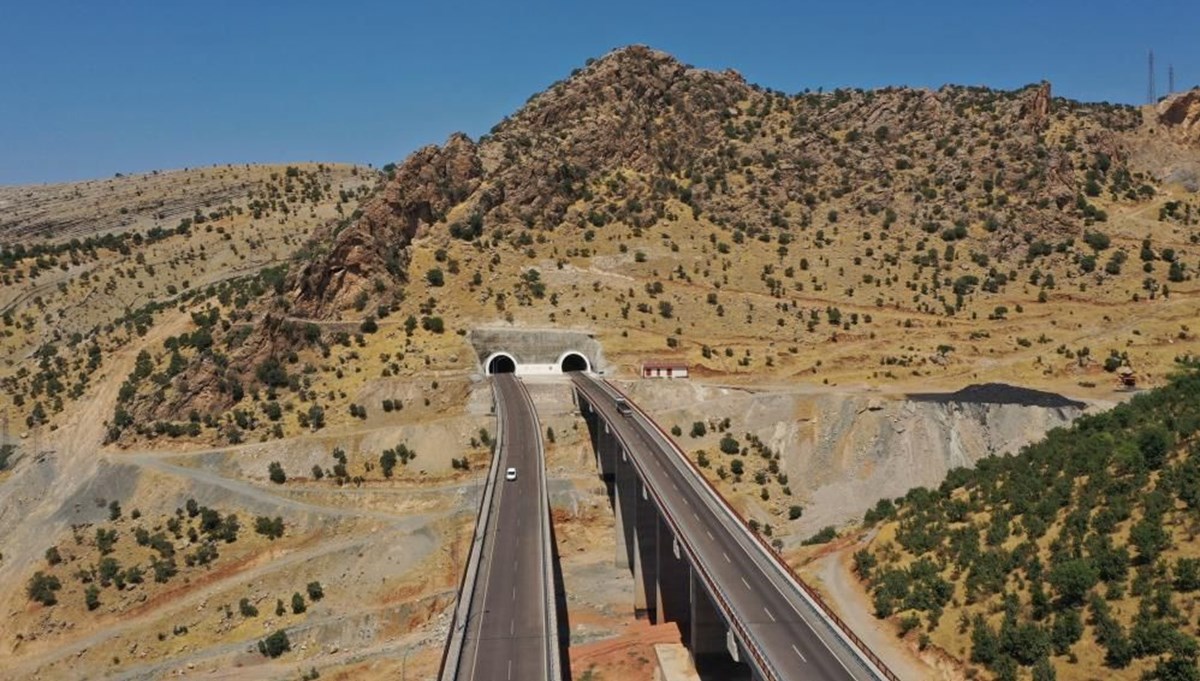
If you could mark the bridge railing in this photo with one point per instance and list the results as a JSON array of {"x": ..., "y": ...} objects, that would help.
[
  {"x": 452, "y": 653},
  {"x": 858, "y": 646}
]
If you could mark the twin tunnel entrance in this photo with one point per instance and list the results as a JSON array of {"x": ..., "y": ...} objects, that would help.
[{"x": 504, "y": 363}]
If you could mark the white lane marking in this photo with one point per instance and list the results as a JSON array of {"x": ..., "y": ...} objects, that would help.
[
  {"x": 746, "y": 583},
  {"x": 726, "y": 557},
  {"x": 769, "y": 614},
  {"x": 674, "y": 487},
  {"x": 709, "y": 535},
  {"x": 685, "y": 501},
  {"x": 799, "y": 653},
  {"x": 510, "y": 669},
  {"x": 514, "y": 593},
  {"x": 511, "y": 625},
  {"x": 695, "y": 516}
]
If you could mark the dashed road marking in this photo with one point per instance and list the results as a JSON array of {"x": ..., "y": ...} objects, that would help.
[
  {"x": 769, "y": 614},
  {"x": 745, "y": 582},
  {"x": 799, "y": 653},
  {"x": 726, "y": 557}
]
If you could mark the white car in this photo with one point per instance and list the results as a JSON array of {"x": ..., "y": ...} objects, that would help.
[{"x": 510, "y": 474}]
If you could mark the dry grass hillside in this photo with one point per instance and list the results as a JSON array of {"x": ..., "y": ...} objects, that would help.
[
  {"x": 168, "y": 337},
  {"x": 86, "y": 266},
  {"x": 900, "y": 238}
]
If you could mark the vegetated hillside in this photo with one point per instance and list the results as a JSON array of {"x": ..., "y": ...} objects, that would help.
[
  {"x": 901, "y": 237},
  {"x": 85, "y": 267},
  {"x": 1075, "y": 557}
]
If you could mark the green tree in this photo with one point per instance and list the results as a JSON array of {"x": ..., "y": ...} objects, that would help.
[
  {"x": 1066, "y": 630},
  {"x": 91, "y": 596},
  {"x": 985, "y": 644},
  {"x": 1155, "y": 443},
  {"x": 730, "y": 445},
  {"x": 1043, "y": 670},
  {"x": 298, "y": 604},
  {"x": 1150, "y": 538},
  {"x": 276, "y": 472},
  {"x": 387, "y": 462},
  {"x": 41, "y": 588},
  {"x": 246, "y": 608},
  {"x": 435, "y": 277},
  {"x": 275, "y": 645},
  {"x": 1073, "y": 579}
]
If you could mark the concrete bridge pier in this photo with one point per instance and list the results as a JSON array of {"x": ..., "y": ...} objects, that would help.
[
  {"x": 645, "y": 555},
  {"x": 707, "y": 633},
  {"x": 625, "y": 506},
  {"x": 672, "y": 588}
]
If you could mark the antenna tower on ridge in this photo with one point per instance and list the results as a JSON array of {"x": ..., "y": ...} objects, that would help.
[
  {"x": 1151, "y": 94},
  {"x": 1170, "y": 79}
]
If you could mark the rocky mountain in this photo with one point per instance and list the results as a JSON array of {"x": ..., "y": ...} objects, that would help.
[
  {"x": 742, "y": 156},
  {"x": 885, "y": 235}
]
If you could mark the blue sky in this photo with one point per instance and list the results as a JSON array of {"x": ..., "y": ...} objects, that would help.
[{"x": 89, "y": 89}]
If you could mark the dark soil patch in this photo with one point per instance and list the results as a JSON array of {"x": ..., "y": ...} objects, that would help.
[{"x": 1000, "y": 393}]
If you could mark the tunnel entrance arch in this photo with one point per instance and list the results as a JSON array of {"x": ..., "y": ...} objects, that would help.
[
  {"x": 500, "y": 363},
  {"x": 573, "y": 361}
]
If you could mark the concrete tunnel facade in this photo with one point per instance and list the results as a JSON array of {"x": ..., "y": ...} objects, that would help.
[
  {"x": 501, "y": 362},
  {"x": 534, "y": 353}
]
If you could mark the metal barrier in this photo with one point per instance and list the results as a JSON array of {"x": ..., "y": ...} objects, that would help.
[
  {"x": 859, "y": 647},
  {"x": 452, "y": 653}
]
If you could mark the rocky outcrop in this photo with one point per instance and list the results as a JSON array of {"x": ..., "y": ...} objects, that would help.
[
  {"x": 374, "y": 247},
  {"x": 1035, "y": 105},
  {"x": 1181, "y": 114}
]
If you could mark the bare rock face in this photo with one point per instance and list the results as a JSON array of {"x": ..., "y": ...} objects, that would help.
[
  {"x": 1181, "y": 114},
  {"x": 1035, "y": 107},
  {"x": 373, "y": 247}
]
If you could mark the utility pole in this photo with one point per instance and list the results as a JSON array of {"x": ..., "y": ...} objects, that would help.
[
  {"x": 1170, "y": 79},
  {"x": 1151, "y": 92}
]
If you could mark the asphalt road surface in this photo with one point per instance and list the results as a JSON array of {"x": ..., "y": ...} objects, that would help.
[
  {"x": 771, "y": 609},
  {"x": 505, "y": 633}
]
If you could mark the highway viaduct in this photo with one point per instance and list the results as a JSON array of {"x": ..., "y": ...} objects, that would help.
[{"x": 695, "y": 563}]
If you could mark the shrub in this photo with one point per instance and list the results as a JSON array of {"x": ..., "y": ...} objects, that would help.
[
  {"x": 41, "y": 588},
  {"x": 433, "y": 324},
  {"x": 246, "y": 608},
  {"x": 275, "y": 470},
  {"x": 91, "y": 596},
  {"x": 729, "y": 445},
  {"x": 315, "y": 592},
  {"x": 275, "y": 645},
  {"x": 272, "y": 528},
  {"x": 823, "y": 536}
]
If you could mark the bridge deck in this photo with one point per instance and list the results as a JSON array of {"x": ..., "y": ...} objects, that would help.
[{"x": 787, "y": 634}]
